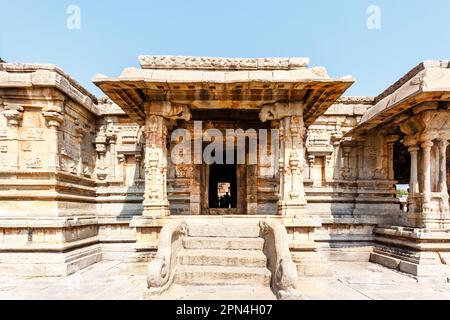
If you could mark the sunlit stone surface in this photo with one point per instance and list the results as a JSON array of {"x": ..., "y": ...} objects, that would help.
[{"x": 86, "y": 179}]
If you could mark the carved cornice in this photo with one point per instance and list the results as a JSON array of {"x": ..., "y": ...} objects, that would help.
[
  {"x": 411, "y": 76},
  {"x": 356, "y": 100},
  {"x": 207, "y": 63},
  {"x": 45, "y": 75}
]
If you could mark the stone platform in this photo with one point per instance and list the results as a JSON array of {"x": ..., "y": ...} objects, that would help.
[{"x": 103, "y": 281}]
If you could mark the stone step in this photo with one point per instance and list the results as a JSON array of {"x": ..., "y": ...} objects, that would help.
[
  {"x": 225, "y": 231},
  {"x": 219, "y": 275},
  {"x": 222, "y": 258},
  {"x": 223, "y": 243}
]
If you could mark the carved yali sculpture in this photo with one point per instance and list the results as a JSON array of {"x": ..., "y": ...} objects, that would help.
[
  {"x": 161, "y": 269},
  {"x": 283, "y": 269}
]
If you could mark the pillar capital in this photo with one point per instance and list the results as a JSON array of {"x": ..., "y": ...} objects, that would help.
[
  {"x": 13, "y": 113},
  {"x": 427, "y": 144},
  {"x": 53, "y": 119},
  {"x": 413, "y": 149},
  {"x": 443, "y": 144}
]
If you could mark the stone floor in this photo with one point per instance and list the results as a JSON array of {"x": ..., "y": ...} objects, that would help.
[{"x": 103, "y": 281}]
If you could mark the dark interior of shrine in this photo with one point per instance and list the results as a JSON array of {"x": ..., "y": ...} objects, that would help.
[
  {"x": 402, "y": 163},
  {"x": 222, "y": 173}
]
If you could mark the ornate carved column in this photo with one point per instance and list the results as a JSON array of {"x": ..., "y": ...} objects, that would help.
[
  {"x": 53, "y": 121},
  {"x": 390, "y": 142},
  {"x": 443, "y": 144},
  {"x": 114, "y": 162},
  {"x": 311, "y": 160},
  {"x": 14, "y": 114},
  {"x": 100, "y": 147},
  {"x": 414, "y": 181},
  {"x": 80, "y": 131},
  {"x": 292, "y": 157},
  {"x": 444, "y": 204},
  {"x": 156, "y": 203},
  {"x": 426, "y": 152}
]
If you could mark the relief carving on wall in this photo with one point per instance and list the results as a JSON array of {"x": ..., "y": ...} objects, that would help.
[{"x": 34, "y": 162}]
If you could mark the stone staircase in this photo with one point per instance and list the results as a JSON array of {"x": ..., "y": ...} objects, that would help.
[{"x": 222, "y": 255}]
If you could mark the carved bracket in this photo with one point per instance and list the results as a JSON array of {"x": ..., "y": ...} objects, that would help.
[
  {"x": 278, "y": 111},
  {"x": 13, "y": 113}
]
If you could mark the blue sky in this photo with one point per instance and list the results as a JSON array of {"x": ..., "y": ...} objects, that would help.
[{"x": 331, "y": 33}]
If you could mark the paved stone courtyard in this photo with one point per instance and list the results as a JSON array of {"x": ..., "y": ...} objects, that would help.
[{"x": 103, "y": 281}]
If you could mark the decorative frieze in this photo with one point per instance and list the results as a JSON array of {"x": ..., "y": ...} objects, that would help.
[{"x": 207, "y": 63}]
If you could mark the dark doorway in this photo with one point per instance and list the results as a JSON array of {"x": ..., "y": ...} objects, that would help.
[
  {"x": 223, "y": 186},
  {"x": 402, "y": 163}
]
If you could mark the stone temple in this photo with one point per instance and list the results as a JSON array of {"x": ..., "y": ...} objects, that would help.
[{"x": 85, "y": 179}]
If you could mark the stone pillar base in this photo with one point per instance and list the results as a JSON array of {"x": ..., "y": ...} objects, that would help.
[
  {"x": 147, "y": 239},
  {"x": 421, "y": 253},
  {"x": 292, "y": 210},
  {"x": 432, "y": 221},
  {"x": 309, "y": 261},
  {"x": 156, "y": 210}
]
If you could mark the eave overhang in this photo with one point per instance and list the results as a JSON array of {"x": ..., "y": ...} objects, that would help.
[
  {"x": 428, "y": 82},
  {"x": 249, "y": 86}
]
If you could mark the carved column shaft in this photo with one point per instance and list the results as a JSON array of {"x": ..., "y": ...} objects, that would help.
[
  {"x": 292, "y": 132},
  {"x": 426, "y": 147},
  {"x": 155, "y": 203},
  {"x": 390, "y": 142},
  {"x": 54, "y": 121},
  {"x": 443, "y": 144},
  {"x": 414, "y": 182},
  {"x": 14, "y": 114},
  {"x": 156, "y": 155}
]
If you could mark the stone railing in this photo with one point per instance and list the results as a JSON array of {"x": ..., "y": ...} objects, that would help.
[
  {"x": 161, "y": 269},
  {"x": 283, "y": 269}
]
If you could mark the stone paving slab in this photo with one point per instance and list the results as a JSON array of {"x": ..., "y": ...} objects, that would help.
[{"x": 103, "y": 281}]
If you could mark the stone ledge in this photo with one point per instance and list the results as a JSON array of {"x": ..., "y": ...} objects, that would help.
[{"x": 46, "y": 222}]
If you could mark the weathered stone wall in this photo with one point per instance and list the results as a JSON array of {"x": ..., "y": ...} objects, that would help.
[
  {"x": 346, "y": 179},
  {"x": 47, "y": 126},
  {"x": 72, "y": 178}
]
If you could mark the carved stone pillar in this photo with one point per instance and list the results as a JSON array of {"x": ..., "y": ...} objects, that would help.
[
  {"x": 156, "y": 203},
  {"x": 80, "y": 131},
  {"x": 390, "y": 142},
  {"x": 443, "y": 144},
  {"x": 293, "y": 200},
  {"x": 53, "y": 121},
  {"x": 292, "y": 155},
  {"x": 361, "y": 143},
  {"x": 116, "y": 168},
  {"x": 414, "y": 181},
  {"x": 426, "y": 189},
  {"x": 311, "y": 160},
  {"x": 100, "y": 147},
  {"x": 14, "y": 114}
]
